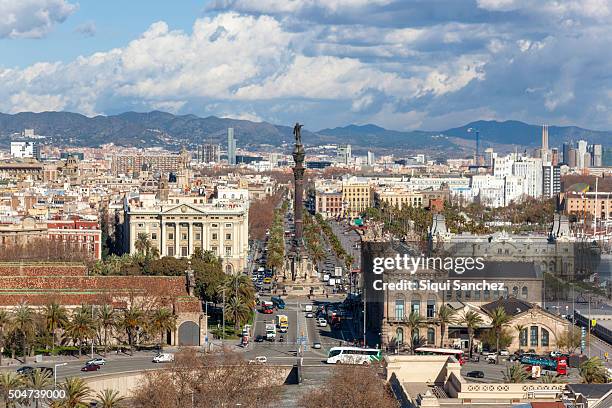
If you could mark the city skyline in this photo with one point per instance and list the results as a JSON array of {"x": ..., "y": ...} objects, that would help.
[{"x": 402, "y": 67}]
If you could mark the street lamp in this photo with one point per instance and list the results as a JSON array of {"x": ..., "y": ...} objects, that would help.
[{"x": 55, "y": 373}]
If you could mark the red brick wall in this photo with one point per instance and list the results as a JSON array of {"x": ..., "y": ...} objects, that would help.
[{"x": 42, "y": 270}]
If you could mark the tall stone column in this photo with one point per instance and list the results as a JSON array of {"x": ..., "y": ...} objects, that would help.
[
  {"x": 177, "y": 233},
  {"x": 162, "y": 238}
]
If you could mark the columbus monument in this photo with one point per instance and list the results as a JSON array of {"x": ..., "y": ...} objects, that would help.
[{"x": 298, "y": 255}]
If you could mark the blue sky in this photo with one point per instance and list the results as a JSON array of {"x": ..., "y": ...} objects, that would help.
[{"x": 427, "y": 64}]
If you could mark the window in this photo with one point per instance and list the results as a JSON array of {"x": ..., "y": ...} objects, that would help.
[
  {"x": 431, "y": 336},
  {"x": 544, "y": 342},
  {"x": 214, "y": 236},
  {"x": 524, "y": 292},
  {"x": 170, "y": 251},
  {"x": 184, "y": 251},
  {"x": 476, "y": 295},
  {"x": 215, "y": 225},
  {"x": 431, "y": 308},
  {"x": 515, "y": 291},
  {"x": 183, "y": 236},
  {"x": 170, "y": 235},
  {"x": 228, "y": 251},
  {"x": 533, "y": 336},
  {"x": 198, "y": 236},
  {"x": 153, "y": 235},
  {"x": 458, "y": 294},
  {"x": 228, "y": 236},
  {"x": 228, "y": 225},
  {"x": 399, "y": 309},
  {"x": 523, "y": 337},
  {"x": 399, "y": 336},
  {"x": 468, "y": 294},
  {"x": 214, "y": 250},
  {"x": 487, "y": 294},
  {"x": 415, "y": 306}
]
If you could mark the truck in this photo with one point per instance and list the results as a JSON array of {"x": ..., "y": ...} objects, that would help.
[
  {"x": 270, "y": 331},
  {"x": 282, "y": 321}
]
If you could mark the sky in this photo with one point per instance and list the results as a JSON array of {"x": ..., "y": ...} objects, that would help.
[{"x": 400, "y": 64}]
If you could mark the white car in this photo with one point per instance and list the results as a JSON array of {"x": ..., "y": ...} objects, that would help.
[
  {"x": 163, "y": 358},
  {"x": 504, "y": 352},
  {"x": 322, "y": 322},
  {"x": 96, "y": 361},
  {"x": 259, "y": 360}
]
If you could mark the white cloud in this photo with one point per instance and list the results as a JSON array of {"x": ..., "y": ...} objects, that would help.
[
  {"x": 293, "y": 6},
  {"x": 32, "y": 18},
  {"x": 24, "y": 102}
]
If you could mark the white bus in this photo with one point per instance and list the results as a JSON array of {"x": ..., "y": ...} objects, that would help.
[
  {"x": 436, "y": 351},
  {"x": 353, "y": 355}
]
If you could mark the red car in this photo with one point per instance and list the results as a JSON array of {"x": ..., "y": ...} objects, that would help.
[{"x": 91, "y": 367}]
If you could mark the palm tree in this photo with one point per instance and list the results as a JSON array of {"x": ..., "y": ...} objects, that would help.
[
  {"x": 5, "y": 322},
  {"x": 77, "y": 393},
  {"x": 549, "y": 379},
  {"x": 38, "y": 380},
  {"x": 107, "y": 320},
  {"x": 109, "y": 399},
  {"x": 515, "y": 373},
  {"x": 446, "y": 316},
  {"x": 499, "y": 319},
  {"x": 593, "y": 371},
  {"x": 472, "y": 321},
  {"x": 238, "y": 309},
  {"x": 25, "y": 325},
  {"x": 519, "y": 329},
  {"x": 9, "y": 381},
  {"x": 81, "y": 327},
  {"x": 142, "y": 243},
  {"x": 56, "y": 317},
  {"x": 160, "y": 322},
  {"x": 132, "y": 320},
  {"x": 414, "y": 323}
]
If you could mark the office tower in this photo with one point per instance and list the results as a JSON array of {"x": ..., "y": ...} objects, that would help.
[
  {"x": 554, "y": 159},
  {"x": 582, "y": 149},
  {"x": 544, "y": 138},
  {"x": 23, "y": 150},
  {"x": 596, "y": 152},
  {"x": 566, "y": 152},
  {"x": 208, "y": 153},
  {"x": 370, "y": 158},
  {"x": 231, "y": 147},
  {"x": 344, "y": 154},
  {"x": 572, "y": 157},
  {"x": 489, "y": 156}
]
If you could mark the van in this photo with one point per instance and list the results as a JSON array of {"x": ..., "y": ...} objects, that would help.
[{"x": 308, "y": 308}]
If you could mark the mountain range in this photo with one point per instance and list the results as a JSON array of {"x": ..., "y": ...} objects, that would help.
[{"x": 168, "y": 130}]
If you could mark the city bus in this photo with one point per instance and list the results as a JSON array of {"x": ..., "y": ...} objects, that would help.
[
  {"x": 353, "y": 355},
  {"x": 437, "y": 351}
]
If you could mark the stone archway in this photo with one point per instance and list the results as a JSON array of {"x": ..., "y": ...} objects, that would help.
[{"x": 189, "y": 334}]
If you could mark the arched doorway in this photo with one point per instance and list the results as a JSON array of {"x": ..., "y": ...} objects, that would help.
[
  {"x": 189, "y": 334},
  {"x": 229, "y": 269}
]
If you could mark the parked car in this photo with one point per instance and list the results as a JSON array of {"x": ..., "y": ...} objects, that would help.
[
  {"x": 504, "y": 352},
  {"x": 25, "y": 370},
  {"x": 90, "y": 367},
  {"x": 259, "y": 360},
  {"x": 316, "y": 345},
  {"x": 322, "y": 322},
  {"x": 475, "y": 374},
  {"x": 163, "y": 358},
  {"x": 97, "y": 361}
]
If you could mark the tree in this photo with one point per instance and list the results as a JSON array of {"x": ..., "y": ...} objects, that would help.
[
  {"x": 238, "y": 309},
  {"x": 210, "y": 380},
  {"x": 472, "y": 321},
  {"x": 77, "y": 393},
  {"x": 499, "y": 319},
  {"x": 5, "y": 322},
  {"x": 142, "y": 244},
  {"x": 9, "y": 381},
  {"x": 25, "y": 325},
  {"x": 414, "y": 323},
  {"x": 515, "y": 373},
  {"x": 161, "y": 321},
  {"x": 56, "y": 317},
  {"x": 132, "y": 321},
  {"x": 569, "y": 340},
  {"x": 38, "y": 380},
  {"x": 351, "y": 386},
  {"x": 107, "y": 320},
  {"x": 109, "y": 399},
  {"x": 81, "y": 327},
  {"x": 446, "y": 316},
  {"x": 593, "y": 371}
]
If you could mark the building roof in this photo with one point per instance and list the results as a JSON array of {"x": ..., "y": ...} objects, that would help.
[
  {"x": 505, "y": 270},
  {"x": 590, "y": 391},
  {"x": 512, "y": 306}
]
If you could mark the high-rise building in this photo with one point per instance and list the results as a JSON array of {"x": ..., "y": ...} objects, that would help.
[
  {"x": 231, "y": 147},
  {"x": 23, "y": 150},
  {"x": 572, "y": 157},
  {"x": 370, "y": 158},
  {"x": 208, "y": 153},
  {"x": 596, "y": 152},
  {"x": 566, "y": 152},
  {"x": 580, "y": 155},
  {"x": 489, "y": 156},
  {"x": 554, "y": 158},
  {"x": 345, "y": 154},
  {"x": 551, "y": 180},
  {"x": 544, "y": 138}
]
